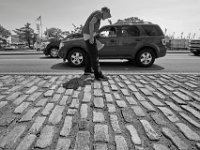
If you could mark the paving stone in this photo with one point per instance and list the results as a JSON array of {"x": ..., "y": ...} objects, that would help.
[
  {"x": 169, "y": 114},
  {"x": 115, "y": 124},
  {"x": 146, "y": 92},
  {"x": 108, "y": 98},
  {"x": 105, "y": 83},
  {"x": 37, "y": 124},
  {"x": 101, "y": 133},
  {"x": 11, "y": 138},
  {"x": 178, "y": 100},
  {"x": 97, "y": 85},
  {"x": 155, "y": 101},
  {"x": 148, "y": 106},
  {"x": 198, "y": 145},
  {"x": 75, "y": 103},
  {"x": 120, "y": 143},
  {"x": 82, "y": 141},
  {"x": 33, "y": 97},
  {"x": 111, "y": 108},
  {"x": 138, "y": 111},
  {"x": 160, "y": 147},
  {"x": 163, "y": 91},
  {"x": 87, "y": 97},
  {"x": 134, "y": 134},
  {"x": 139, "y": 97},
  {"x": 123, "y": 77},
  {"x": 21, "y": 107},
  {"x": 131, "y": 100},
  {"x": 114, "y": 87},
  {"x": 64, "y": 100},
  {"x": 47, "y": 109},
  {"x": 26, "y": 143},
  {"x": 56, "y": 115},
  {"x": 139, "y": 85},
  {"x": 63, "y": 144},
  {"x": 98, "y": 102},
  {"x": 3, "y": 103},
  {"x": 169, "y": 88},
  {"x": 150, "y": 132},
  {"x": 121, "y": 103},
  {"x": 139, "y": 148},
  {"x": 106, "y": 89},
  {"x": 191, "y": 110},
  {"x": 173, "y": 106},
  {"x": 117, "y": 96},
  {"x": 60, "y": 90},
  {"x": 159, "y": 95},
  {"x": 67, "y": 126},
  {"x": 190, "y": 120},
  {"x": 151, "y": 89},
  {"x": 31, "y": 90},
  {"x": 156, "y": 85},
  {"x": 159, "y": 119},
  {"x": 49, "y": 93},
  {"x": 98, "y": 92},
  {"x": 13, "y": 96},
  {"x": 84, "y": 111},
  {"x": 42, "y": 102},
  {"x": 121, "y": 85},
  {"x": 100, "y": 146},
  {"x": 87, "y": 88},
  {"x": 181, "y": 145},
  {"x": 189, "y": 93},
  {"x": 29, "y": 115},
  {"x": 125, "y": 92},
  {"x": 132, "y": 88},
  {"x": 182, "y": 96},
  {"x": 191, "y": 135},
  {"x": 46, "y": 137},
  {"x": 98, "y": 117},
  {"x": 55, "y": 98},
  {"x": 128, "y": 115},
  {"x": 69, "y": 92},
  {"x": 15, "y": 88}
]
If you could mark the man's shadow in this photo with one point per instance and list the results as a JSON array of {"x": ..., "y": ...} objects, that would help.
[{"x": 75, "y": 83}]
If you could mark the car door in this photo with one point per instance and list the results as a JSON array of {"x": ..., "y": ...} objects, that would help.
[
  {"x": 127, "y": 41},
  {"x": 109, "y": 43}
]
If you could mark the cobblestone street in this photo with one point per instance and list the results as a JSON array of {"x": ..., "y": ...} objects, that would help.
[{"x": 138, "y": 111}]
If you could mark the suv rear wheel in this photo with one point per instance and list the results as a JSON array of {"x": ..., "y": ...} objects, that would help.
[
  {"x": 54, "y": 52},
  {"x": 76, "y": 57},
  {"x": 145, "y": 57}
]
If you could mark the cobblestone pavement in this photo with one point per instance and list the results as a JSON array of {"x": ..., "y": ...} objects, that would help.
[{"x": 142, "y": 112}]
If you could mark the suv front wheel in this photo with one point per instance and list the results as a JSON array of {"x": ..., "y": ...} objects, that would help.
[
  {"x": 76, "y": 57},
  {"x": 145, "y": 58}
]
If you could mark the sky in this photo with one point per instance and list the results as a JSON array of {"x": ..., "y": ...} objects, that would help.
[{"x": 176, "y": 16}]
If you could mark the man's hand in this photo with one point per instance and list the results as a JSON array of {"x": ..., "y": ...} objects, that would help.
[{"x": 91, "y": 40}]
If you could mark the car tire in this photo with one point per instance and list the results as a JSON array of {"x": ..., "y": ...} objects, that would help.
[
  {"x": 145, "y": 57},
  {"x": 196, "y": 53},
  {"x": 76, "y": 57},
  {"x": 53, "y": 52}
]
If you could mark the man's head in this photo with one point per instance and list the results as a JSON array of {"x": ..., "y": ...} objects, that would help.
[{"x": 106, "y": 13}]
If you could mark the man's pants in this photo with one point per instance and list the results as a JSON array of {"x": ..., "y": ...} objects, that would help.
[{"x": 92, "y": 58}]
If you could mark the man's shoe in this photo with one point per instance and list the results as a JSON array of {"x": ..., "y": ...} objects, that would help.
[{"x": 101, "y": 78}]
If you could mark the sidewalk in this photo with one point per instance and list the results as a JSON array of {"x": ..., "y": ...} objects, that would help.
[{"x": 135, "y": 111}]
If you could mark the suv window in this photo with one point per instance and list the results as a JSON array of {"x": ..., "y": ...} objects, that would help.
[
  {"x": 130, "y": 31},
  {"x": 109, "y": 32},
  {"x": 152, "y": 30}
]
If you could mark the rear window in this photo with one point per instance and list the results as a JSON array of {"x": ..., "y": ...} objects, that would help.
[
  {"x": 152, "y": 30},
  {"x": 130, "y": 31}
]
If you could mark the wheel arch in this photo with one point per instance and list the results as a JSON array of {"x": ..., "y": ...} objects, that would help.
[
  {"x": 148, "y": 47},
  {"x": 72, "y": 48}
]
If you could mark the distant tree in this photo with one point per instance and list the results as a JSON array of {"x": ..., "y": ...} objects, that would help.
[
  {"x": 54, "y": 33},
  {"x": 77, "y": 29},
  {"x": 26, "y": 34},
  {"x": 129, "y": 20},
  {"x": 4, "y": 32}
]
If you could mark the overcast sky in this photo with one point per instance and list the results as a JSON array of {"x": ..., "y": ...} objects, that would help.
[{"x": 174, "y": 15}]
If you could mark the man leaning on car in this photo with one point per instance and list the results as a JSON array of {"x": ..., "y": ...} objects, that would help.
[{"x": 90, "y": 29}]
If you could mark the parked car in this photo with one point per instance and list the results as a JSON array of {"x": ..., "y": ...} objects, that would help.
[
  {"x": 194, "y": 46},
  {"x": 9, "y": 47},
  {"x": 140, "y": 42},
  {"x": 52, "y": 48}
]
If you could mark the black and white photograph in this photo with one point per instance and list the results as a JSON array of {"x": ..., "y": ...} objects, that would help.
[{"x": 99, "y": 75}]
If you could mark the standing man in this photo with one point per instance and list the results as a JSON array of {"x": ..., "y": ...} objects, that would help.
[{"x": 90, "y": 29}]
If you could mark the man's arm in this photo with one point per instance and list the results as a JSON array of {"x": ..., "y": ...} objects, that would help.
[{"x": 91, "y": 29}]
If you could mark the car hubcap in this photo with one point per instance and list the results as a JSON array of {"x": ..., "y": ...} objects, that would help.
[
  {"x": 146, "y": 58},
  {"x": 54, "y": 52},
  {"x": 77, "y": 58}
]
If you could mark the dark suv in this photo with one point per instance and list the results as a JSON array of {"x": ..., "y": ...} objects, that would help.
[{"x": 141, "y": 42}]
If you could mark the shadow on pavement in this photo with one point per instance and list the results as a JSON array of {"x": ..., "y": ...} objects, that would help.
[{"x": 111, "y": 66}]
